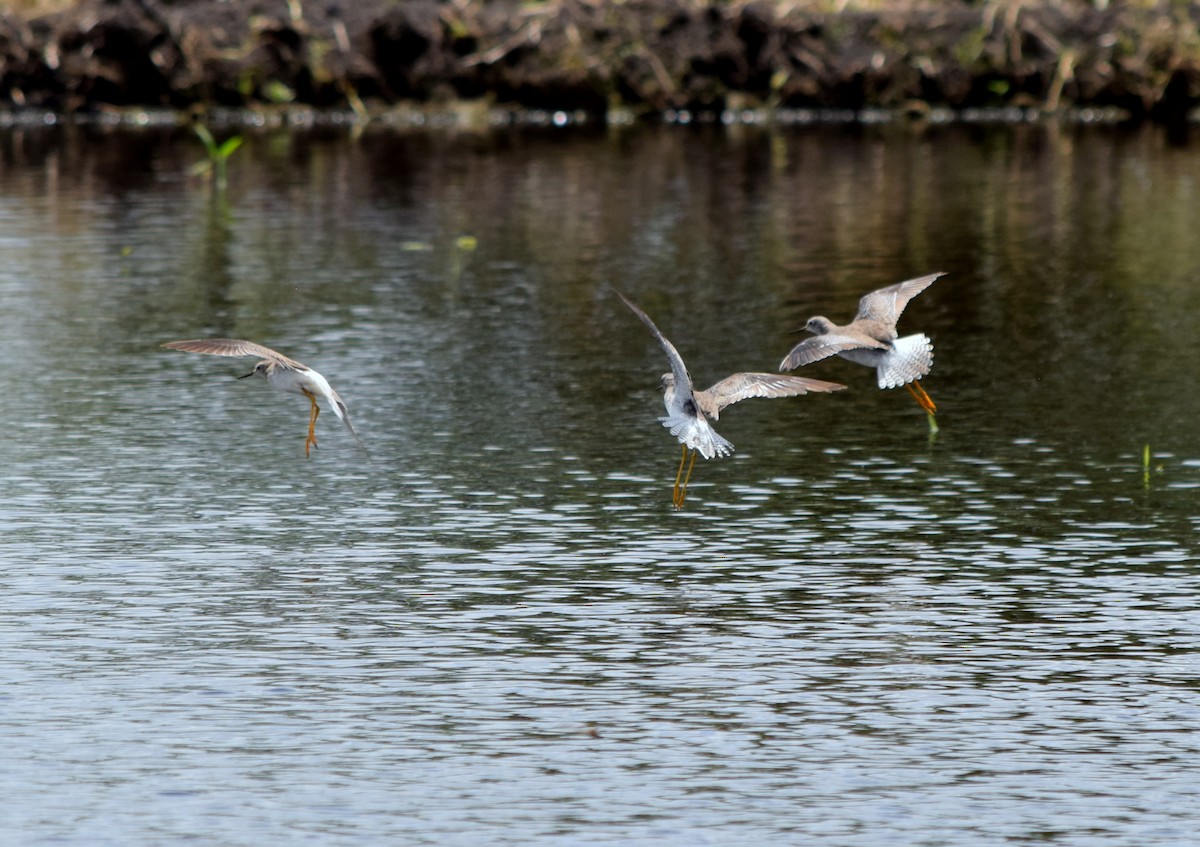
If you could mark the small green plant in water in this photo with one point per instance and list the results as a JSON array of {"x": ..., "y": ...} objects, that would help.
[
  {"x": 218, "y": 154},
  {"x": 463, "y": 245},
  {"x": 1148, "y": 467}
]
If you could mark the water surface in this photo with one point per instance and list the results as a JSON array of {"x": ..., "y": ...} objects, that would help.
[{"x": 495, "y": 628}]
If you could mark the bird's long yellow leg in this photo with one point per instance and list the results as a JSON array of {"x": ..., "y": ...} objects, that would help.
[
  {"x": 311, "y": 441},
  {"x": 681, "y": 491},
  {"x": 926, "y": 403},
  {"x": 675, "y": 500},
  {"x": 922, "y": 398}
]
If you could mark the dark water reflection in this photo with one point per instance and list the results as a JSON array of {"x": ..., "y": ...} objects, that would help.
[{"x": 497, "y": 630}]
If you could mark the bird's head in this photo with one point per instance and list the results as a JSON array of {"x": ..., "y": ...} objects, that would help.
[
  {"x": 819, "y": 325},
  {"x": 260, "y": 370},
  {"x": 667, "y": 386}
]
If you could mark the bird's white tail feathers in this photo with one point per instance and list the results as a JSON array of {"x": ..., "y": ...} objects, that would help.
[
  {"x": 341, "y": 411},
  {"x": 698, "y": 435},
  {"x": 343, "y": 414},
  {"x": 910, "y": 358}
]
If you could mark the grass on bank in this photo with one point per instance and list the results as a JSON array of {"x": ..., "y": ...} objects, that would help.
[{"x": 36, "y": 8}]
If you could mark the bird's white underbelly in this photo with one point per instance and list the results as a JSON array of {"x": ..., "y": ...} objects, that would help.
[{"x": 298, "y": 382}]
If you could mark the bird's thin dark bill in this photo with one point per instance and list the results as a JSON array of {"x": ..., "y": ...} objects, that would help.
[{"x": 247, "y": 375}]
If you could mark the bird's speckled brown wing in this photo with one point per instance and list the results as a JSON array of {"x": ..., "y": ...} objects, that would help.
[
  {"x": 743, "y": 386},
  {"x": 683, "y": 382},
  {"x": 823, "y": 346},
  {"x": 886, "y": 304},
  {"x": 232, "y": 347}
]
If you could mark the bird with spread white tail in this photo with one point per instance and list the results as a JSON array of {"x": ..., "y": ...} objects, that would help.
[
  {"x": 871, "y": 339},
  {"x": 688, "y": 409},
  {"x": 282, "y": 373}
]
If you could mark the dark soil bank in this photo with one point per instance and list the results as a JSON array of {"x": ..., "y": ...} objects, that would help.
[{"x": 583, "y": 54}]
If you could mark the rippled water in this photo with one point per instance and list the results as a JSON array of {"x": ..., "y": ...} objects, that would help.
[{"x": 496, "y": 629}]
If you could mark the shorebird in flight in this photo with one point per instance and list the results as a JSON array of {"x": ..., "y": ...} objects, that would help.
[
  {"x": 280, "y": 371},
  {"x": 688, "y": 409},
  {"x": 871, "y": 339}
]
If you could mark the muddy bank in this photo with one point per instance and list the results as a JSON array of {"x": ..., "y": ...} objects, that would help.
[{"x": 642, "y": 55}]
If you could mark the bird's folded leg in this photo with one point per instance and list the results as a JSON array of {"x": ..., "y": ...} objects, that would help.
[
  {"x": 311, "y": 441},
  {"x": 922, "y": 398}
]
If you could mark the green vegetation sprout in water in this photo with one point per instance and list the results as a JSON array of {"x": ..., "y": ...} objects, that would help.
[{"x": 218, "y": 154}]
